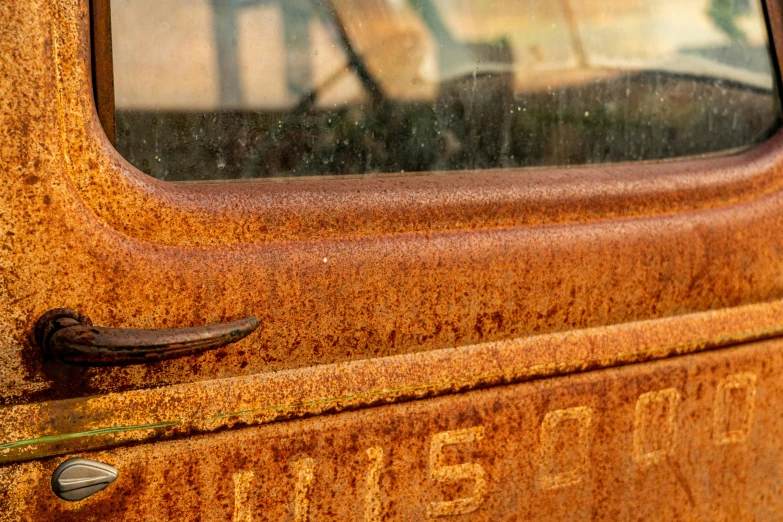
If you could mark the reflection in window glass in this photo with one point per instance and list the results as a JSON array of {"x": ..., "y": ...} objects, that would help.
[{"x": 227, "y": 89}]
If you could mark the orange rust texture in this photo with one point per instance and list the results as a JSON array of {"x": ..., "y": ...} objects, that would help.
[
  {"x": 186, "y": 409},
  {"x": 341, "y": 270},
  {"x": 691, "y": 438}
]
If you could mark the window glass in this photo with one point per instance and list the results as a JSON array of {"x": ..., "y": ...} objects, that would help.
[{"x": 226, "y": 89}]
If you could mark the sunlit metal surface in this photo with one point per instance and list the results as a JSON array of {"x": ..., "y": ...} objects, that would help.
[
  {"x": 692, "y": 438},
  {"x": 353, "y": 273}
]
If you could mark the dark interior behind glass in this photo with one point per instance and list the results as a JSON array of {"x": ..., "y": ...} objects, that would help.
[{"x": 228, "y": 89}]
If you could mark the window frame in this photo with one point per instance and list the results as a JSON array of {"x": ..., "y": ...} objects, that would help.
[
  {"x": 370, "y": 204},
  {"x": 102, "y": 75}
]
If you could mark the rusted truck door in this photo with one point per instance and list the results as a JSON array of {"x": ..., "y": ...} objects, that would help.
[{"x": 494, "y": 342}]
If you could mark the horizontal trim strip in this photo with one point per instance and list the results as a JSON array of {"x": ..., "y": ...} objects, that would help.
[
  {"x": 91, "y": 433},
  {"x": 75, "y": 425}
]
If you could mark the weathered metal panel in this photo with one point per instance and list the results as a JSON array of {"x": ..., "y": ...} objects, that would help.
[
  {"x": 344, "y": 270},
  {"x": 66, "y": 426},
  {"x": 690, "y": 438},
  {"x": 341, "y": 270}
]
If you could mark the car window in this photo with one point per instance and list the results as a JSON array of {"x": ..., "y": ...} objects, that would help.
[{"x": 228, "y": 89}]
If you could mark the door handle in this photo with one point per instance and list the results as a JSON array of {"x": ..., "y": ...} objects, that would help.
[{"x": 69, "y": 336}]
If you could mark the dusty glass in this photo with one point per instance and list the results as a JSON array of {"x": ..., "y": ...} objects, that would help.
[{"x": 227, "y": 89}]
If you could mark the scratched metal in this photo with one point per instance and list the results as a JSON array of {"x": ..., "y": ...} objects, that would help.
[{"x": 697, "y": 437}]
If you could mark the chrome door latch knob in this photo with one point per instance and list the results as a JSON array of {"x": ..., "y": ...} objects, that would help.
[{"x": 77, "y": 479}]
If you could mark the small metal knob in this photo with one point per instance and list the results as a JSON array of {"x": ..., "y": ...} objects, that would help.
[{"x": 77, "y": 479}]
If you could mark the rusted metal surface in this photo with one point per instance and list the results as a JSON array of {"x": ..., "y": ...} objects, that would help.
[
  {"x": 690, "y": 438},
  {"x": 81, "y": 227},
  {"x": 66, "y": 426},
  {"x": 68, "y": 336},
  {"x": 378, "y": 280}
]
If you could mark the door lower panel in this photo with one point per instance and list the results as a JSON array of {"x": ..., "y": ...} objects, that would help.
[{"x": 696, "y": 437}]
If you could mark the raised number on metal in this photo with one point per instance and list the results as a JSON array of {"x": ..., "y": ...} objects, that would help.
[
  {"x": 465, "y": 471},
  {"x": 305, "y": 476}
]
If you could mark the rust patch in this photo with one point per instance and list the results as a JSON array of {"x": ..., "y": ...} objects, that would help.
[
  {"x": 55, "y": 427},
  {"x": 560, "y": 449},
  {"x": 413, "y": 264},
  {"x": 364, "y": 288}
]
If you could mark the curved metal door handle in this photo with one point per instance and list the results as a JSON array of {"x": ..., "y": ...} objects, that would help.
[{"x": 69, "y": 336}]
